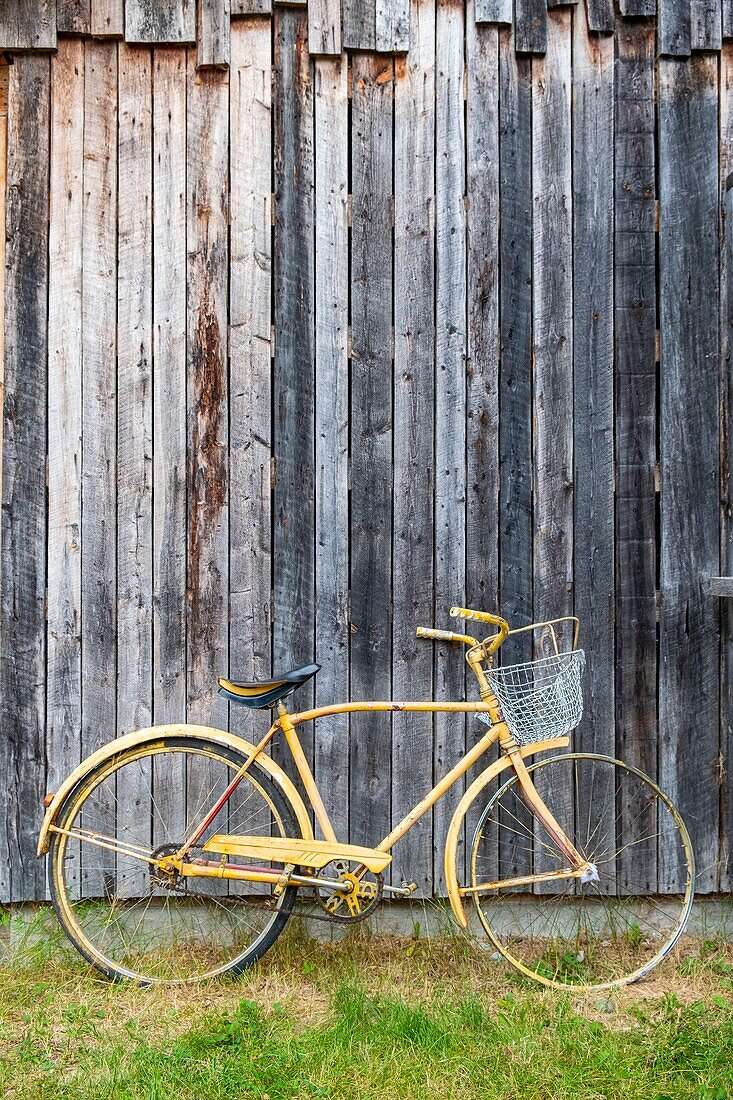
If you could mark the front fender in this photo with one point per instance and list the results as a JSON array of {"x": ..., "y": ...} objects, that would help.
[
  {"x": 158, "y": 733},
  {"x": 454, "y": 829}
]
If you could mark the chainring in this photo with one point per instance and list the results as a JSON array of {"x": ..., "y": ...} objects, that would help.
[{"x": 360, "y": 902}]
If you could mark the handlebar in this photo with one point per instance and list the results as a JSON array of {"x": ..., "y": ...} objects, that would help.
[{"x": 490, "y": 645}]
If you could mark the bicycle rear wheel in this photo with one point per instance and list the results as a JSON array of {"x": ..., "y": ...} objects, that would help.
[
  {"x": 121, "y": 914},
  {"x": 612, "y": 929}
]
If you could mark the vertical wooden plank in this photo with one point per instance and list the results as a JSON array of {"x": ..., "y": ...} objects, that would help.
[
  {"x": 727, "y": 18},
  {"x": 169, "y": 418},
  {"x": 515, "y": 311},
  {"x": 552, "y": 316},
  {"x": 99, "y": 399},
  {"x": 515, "y": 381},
  {"x": 635, "y": 415},
  {"x": 135, "y": 431},
  {"x": 638, "y": 7},
  {"x": 414, "y": 394},
  {"x": 250, "y": 294},
  {"x": 449, "y": 731},
  {"x": 207, "y": 274},
  {"x": 482, "y": 398},
  {"x": 493, "y": 11},
  {"x": 63, "y": 669},
  {"x": 251, "y": 7},
  {"x": 165, "y": 21},
  {"x": 706, "y": 27},
  {"x": 674, "y": 28},
  {"x": 23, "y": 559},
  {"x": 593, "y": 452},
  {"x": 214, "y": 33},
  {"x": 107, "y": 18},
  {"x": 392, "y": 26},
  {"x": 600, "y": 16},
  {"x": 28, "y": 25},
  {"x": 74, "y": 16},
  {"x": 726, "y": 473},
  {"x": 530, "y": 26},
  {"x": 4, "y": 86},
  {"x": 552, "y": 319},
  {"x": 324, "y": 28},
  {"x": 688, "y": 258},
  {"x": 482, "y": 374},
  {"x": 372, "y": 127},
  {"x": 359, "y": 31},
  {"x": 332, "y": 430},
  {"x": 294, "y": 521}
]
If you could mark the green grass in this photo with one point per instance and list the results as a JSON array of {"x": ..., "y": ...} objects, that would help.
[{"x": 379, "y": 1017}]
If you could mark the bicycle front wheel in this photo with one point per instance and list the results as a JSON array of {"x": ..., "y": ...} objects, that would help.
[
  {"x": 128, "y": 919},
  {"x": 617, "y": 925}
]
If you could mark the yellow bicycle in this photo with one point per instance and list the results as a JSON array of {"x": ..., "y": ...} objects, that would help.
[{"x": 176, "y": 852}]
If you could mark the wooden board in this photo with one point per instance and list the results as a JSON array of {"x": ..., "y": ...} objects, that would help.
[
  {"x": 99, "y": 392},
  {"x": 706, "y": 28},
  {"x": 530, "y": 26},
  {"x": 392, "y": 26},
  {"x": 552, "y": 317},
  {"x": 727, "y": 18},
  {"x": 163, "y": 21},
  {"x": 515, "y": 380},
  {"x": 331, "y": 301},
  {"x": 674, "y": 28},
  {"x": 593, "y": 445},
  {"x": 135, "y": 430},
  {"x": 207, "y": 397},
  {"x": 723, "y": 586},
  {"x": 493, "y": 11},
  {"x": 23, "y": 558},
  {"x": 63, "y": 669},
  {"x": 214, "y": 33},
  {"x": 107, "y": 18},
  {"x": 250, "y": 299},
  {"x": 600, "y": 17},
  {"x": 635, "y": 416},
  {"x": 74, "y": 16},
  {"x": 294, "y": 381},
  {"x": 359, "y": 30},
  {"x": 169, "y": 420},
  {"x": 414, "y": 396},
  {"x": 324, "y": 28},
  {"x": 451, "y": 324},
  {"x": 372, "y": 276},
  {"x": 638, "y": 7},
  {"x": 251, "y": 7},
  {"x": 483, "y": 347},
  {"x": 28, "y": 25},
  {"x": 689, "y": 638}
]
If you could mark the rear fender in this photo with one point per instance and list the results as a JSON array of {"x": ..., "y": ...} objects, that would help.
[{"x": 158, "y": 734}]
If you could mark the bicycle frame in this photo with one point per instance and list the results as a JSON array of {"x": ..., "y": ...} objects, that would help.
[{"x": 498, "y": 732}]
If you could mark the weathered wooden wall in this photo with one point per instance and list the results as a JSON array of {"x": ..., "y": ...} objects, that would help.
[{"x": 319, "y": 321}]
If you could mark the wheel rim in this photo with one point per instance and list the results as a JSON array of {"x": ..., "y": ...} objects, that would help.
[
  {"x": 593, "y": 935},
  {"x": 124, "y": 920}
]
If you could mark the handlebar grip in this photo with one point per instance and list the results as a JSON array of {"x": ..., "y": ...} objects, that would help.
[
  {"x": 479, "y": 616},
  {"x": 438, "y": 635}
]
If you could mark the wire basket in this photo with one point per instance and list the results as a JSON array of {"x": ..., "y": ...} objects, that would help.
[{"x": 542, "y": 698}]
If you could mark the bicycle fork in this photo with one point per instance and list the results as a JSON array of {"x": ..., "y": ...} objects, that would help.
[{"x": 579, "y": 867}]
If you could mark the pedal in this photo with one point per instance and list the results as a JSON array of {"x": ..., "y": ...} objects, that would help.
[{"x": 402, "y": 891}]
